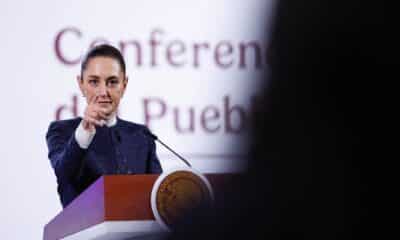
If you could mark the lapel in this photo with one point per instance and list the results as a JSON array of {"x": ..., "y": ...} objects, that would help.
[
  {"x": 132, "y": 145},
  {"x": 102, "y": 152}
]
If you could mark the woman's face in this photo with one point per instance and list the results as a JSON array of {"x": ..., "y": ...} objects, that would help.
[{"x": 103, "y": 78}]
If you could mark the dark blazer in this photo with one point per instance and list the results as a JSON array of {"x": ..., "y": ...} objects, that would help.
[{"x": 121, "y": 149}]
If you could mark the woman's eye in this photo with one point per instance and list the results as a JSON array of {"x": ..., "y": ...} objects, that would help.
[
  {"x": 113, "y": 82},
  {"x": 93, "y": 82}
]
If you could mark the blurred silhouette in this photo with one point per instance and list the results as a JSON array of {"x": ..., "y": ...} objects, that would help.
[{"x": 309, "y": 176}]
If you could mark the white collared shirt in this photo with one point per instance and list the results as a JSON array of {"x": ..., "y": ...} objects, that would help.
[{"x": 84, "y": 137}]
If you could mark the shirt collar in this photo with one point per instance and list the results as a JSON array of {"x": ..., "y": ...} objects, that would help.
[{"x": 112, "y": 121}]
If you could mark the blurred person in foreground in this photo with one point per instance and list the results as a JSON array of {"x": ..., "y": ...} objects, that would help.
[
  {"x": 309, "y": 177},
  {"x": 83, "y": 149}
]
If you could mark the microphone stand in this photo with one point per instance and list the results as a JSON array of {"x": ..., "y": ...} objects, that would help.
[{"x": 147, "y": 131}]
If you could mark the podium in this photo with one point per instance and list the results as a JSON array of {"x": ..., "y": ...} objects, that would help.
[{"x": 114, "y": 207}]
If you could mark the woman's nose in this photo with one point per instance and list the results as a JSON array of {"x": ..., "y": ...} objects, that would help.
[{"x": 102, "y": 90}]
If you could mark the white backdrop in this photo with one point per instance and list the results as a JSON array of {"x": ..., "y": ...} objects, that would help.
[{"x": 192, "y": 67}]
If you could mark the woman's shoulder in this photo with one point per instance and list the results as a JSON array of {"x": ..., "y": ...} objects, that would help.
[
  {"x": 130, "y": 126},
  {"x": 65, "y": 124}
]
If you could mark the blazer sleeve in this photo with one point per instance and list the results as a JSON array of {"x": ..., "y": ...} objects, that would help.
[{"x": 64, "y": 152}]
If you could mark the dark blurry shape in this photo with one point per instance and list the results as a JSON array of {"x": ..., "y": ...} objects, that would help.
[
  {"x": 309, "y": 176},
  {"x": 324, "y": 60}
]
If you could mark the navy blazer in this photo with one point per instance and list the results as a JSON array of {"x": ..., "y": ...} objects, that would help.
[{"x": 120, "y": 149}]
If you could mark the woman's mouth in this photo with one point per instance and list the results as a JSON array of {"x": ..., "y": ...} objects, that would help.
[{"x": 104, "y": 102}]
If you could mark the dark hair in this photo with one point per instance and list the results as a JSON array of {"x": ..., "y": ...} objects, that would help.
[{"x": 103, "y": 50}]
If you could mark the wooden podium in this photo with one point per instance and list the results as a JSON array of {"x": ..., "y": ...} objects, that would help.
[{"x": 114, "y": 207}]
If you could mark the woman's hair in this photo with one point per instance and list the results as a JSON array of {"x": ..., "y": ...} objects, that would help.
[{"x": 103, "y": 50}]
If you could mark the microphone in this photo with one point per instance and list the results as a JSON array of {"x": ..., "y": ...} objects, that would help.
[{"x": 155, "y": 138}]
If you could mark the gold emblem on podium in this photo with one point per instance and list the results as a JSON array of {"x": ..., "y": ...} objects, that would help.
[{"x": 177, "y": 193}]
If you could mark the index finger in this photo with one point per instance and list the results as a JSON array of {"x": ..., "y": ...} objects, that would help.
[{"x": 94, "y": 99}]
